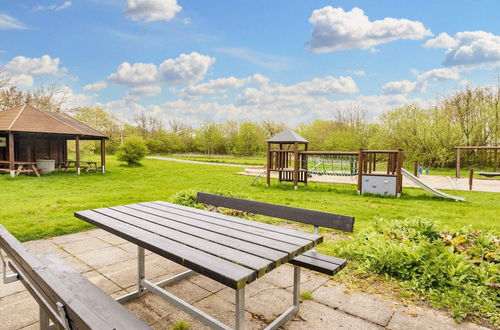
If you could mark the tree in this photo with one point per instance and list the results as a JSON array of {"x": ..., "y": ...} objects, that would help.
[
  {"x": 104, "y": 122},
  {"x": 45, "y": 97},
  {"x": 209, "y": 137},
  {"x": 132, "y": 151},
  {"x": 251, "y": 139}
]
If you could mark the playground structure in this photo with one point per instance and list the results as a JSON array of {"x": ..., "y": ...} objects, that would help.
[
  {"x": 288, "y": 155},
  {"x": 489, "y": 156}
]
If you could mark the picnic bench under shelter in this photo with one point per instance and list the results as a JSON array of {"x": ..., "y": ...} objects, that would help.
[{"x": 28, "y": 134}]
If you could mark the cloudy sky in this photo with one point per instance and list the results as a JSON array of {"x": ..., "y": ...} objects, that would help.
[{"x": 283, "y": 60}]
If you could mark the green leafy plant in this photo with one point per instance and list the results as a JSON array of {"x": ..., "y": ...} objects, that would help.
[
  {"x": 132, "y": 151},
  {"x": 180, "y": 325},
  {"x": 306, "y": 295},
  {"x": 457, "y": 270},
  {"x": 188, "y": 198}
]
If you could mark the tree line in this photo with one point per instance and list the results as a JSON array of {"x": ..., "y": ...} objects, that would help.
[{"x": 470, "y": 116}]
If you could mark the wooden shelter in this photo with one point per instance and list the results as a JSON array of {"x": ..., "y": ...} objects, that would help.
[{"x": 28, "y": 134}]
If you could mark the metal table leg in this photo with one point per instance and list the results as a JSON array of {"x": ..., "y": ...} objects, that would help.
[{"x": 291, "y": 311}]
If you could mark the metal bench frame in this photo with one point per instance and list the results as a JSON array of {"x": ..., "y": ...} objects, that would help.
[
  {"x": 144, "y": 285},
  {"x": 46, "y": 313}
]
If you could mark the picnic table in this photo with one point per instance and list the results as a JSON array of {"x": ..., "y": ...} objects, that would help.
[
  {"x": 86, "y": 165},
  {"x": 229, "y": 250},
  {"x": 19, "y": 167}
]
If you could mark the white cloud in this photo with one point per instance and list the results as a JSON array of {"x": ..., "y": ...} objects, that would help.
[
  {"x": 468, "y": 50},
  {"x": 185, "y": 69},
  {"x": 422, "y": 81},
  {"x": 399, "y": 87},
  {"x": 264, "y": 60},
  {"x": 221, "y": 85},
  {"x": 357, "y": 72},
  {"x": 152, "y": 10},
  {"x": 97, "y": 86},
  {"x": 443, "y": 40},
  {"x": 35, "y": 66},
  {"x": 70, "y": 99},
  {"x": 54, "y": 7},
  {"x": 21, "y": 80},
  {"x": 336, "y": 29},
  {"x": 135, "y": 74},
  {"x": 140, "y": 92},
  {"x": 474, "y": 48},
  {"x": 10, "y": 23}
]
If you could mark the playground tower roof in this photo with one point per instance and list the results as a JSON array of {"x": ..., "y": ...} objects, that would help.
[{"x": 287, "y": 136}]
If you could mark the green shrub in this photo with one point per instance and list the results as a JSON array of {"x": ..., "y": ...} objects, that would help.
[
  {"x": 457, "y": 270},
  {"x": 306, "y": 295},
  {"x": 132, "y": 150},
  {"x": 180, "y": 325},
  {"x": 188, "y": 198}
]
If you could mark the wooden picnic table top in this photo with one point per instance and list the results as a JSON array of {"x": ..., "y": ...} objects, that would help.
[
  {"x": 230, "y": 250},
  {"x": 17, "y": 163}
]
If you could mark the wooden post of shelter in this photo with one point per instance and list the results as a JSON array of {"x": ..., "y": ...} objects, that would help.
[
  {"x": 268, "y": 182},
  {"x": 103, "y": 155},
  {"x": 295, "y": 165},
  {"x": 77, "y": 154},
  {"x": 471, "y": 178},
  {"x": 457, "y": 173},
  {"x": 360, "y": 170},
  {"x": 11, "y": 155}
]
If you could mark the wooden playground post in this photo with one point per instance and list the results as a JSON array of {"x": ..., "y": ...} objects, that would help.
[
  {"x": 280, "y": 162},
  {"x": 471, "y": 178},
  {"x": 457, "y": 173},
  {"x": 399, "y": 177},
  {"x": 305, "y": 164},
  {"x": 360, "y": 170},
  {"x": 268, "y": 164},
  {"x": 296, "y": 165},
  {"x": 415, "y": 169}
]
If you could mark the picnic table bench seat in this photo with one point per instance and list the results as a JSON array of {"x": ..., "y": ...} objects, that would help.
[
  {"x": 64, "y": 295},
  {"x": 312, "y": 260}
]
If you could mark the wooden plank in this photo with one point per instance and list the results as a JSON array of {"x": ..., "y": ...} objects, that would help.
[
  {"x": 316, "y": 265},
  {"x": 82, "y": 296},
  {"x": 291, "y": 249},
  {"x": 220, "y": 216},
  {"x": 252, "y": 248},
  {"x": 323, "y": 219},
  {"x": 324, "y": 257},
  {"x": 221, "y": 251},
  {"x": 50, "y": 288},
  {"x": 213, "y": 219},
  {"x": 220, "y": 270}
]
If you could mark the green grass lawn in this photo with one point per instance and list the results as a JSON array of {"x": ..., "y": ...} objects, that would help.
[
  {"x": 226, "y": 159},
  {"x": 33, "y": 208}
]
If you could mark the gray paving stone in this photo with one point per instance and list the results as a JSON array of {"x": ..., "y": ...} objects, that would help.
[
  {"x": 77, "y": 264},
  {"x": 207, "y": 283},
  {"x": 315, "y": 316},
  {"x": 112, "y": 239},
  {"x": 104, "y": 257},
  {"x": 125, "y": 273},
  {"x": 59, "y": 240},
  {"x": 88, "y": 244},
  {"x": 45, "y": 246},
  {"x": 283, "y": 277},
  {"x": 365, "y": 306},
  {"x": 269, "y": 304},
  {"x": 251, "y": 290},
  {"x": 102, "y": 282},
  {"x": 418, "y": 318},
  {"x": 10, "y": 288},
  {"x": 18, "y": 311}
]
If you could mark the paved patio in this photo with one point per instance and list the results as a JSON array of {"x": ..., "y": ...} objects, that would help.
[{"x": 110, "y": 263}]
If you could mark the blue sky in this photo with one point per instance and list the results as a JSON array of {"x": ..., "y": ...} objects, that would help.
[{"x": 287, "y": 61}]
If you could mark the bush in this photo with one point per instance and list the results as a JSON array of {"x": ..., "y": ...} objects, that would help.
[
  {"x": 188, "y": 198},
  {"x": 457, "y": 270},
  {"x": 132, "y": 150}
]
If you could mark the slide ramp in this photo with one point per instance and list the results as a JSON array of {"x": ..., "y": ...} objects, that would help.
[{"x": 423, "y": 185}]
